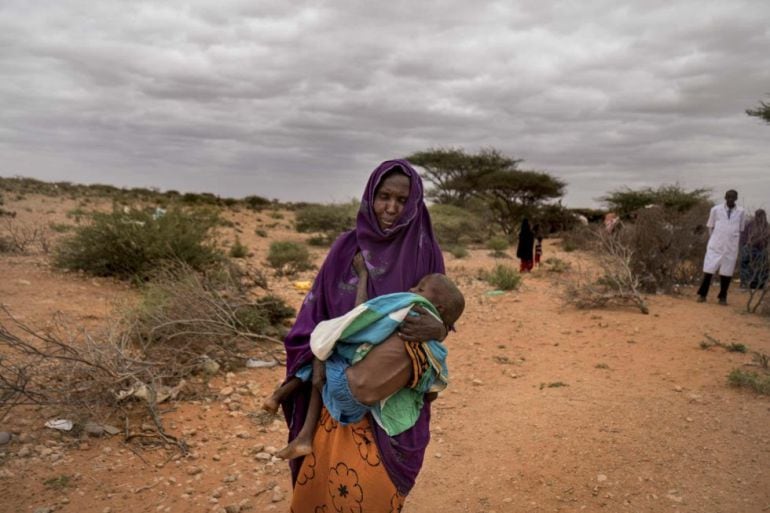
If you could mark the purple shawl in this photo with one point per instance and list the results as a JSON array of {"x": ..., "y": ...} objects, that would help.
[{"x": 397, "y": 258}]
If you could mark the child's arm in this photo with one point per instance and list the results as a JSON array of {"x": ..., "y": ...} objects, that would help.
[
  {"x": 319, "y": 373},
  {"x": 359, "y": 265}
]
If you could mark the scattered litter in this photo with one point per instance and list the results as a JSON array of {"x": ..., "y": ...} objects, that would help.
[
  {"x": 253, "y": 363},
  {"x": 303, "y": 286},
  {"x": 60, "y": 424},
  {"x": 162, "y": 393}
]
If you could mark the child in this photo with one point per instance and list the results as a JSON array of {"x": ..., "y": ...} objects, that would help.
[
  {"x": 538, "y": 244},
  {"x": 345, "y": 340}
]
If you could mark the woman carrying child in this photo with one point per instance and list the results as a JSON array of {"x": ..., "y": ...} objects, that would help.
[{"x": 358, "y": 464}]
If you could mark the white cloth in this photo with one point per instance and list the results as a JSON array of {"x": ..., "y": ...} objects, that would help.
[{"x": 722, "y": 251}]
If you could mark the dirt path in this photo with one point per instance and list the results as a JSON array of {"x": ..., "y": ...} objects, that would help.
[{"x": 549, "y": 409}]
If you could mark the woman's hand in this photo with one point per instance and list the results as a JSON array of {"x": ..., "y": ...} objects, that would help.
[{"x": 422, "y": 328}]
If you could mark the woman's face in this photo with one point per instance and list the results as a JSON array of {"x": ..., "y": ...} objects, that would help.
[{"x": 390, "y": 199}]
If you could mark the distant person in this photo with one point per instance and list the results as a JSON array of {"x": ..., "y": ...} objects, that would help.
[
  {"x": 744, "y": 259},
  {"x": 525, "y": 248},
  {"x": 610, "y": 220},
  {"x": 757, "y": 235},
  {"x": 538, "y": 244},
  {"x": 725, "y": 224}
]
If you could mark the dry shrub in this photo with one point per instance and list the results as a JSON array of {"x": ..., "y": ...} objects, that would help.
[
  {"x": 76, "y": 376},
  {"x": 188, "y": 327},
  {"x": 21, "y": 237},
  {"x": 185, "y": 315},
  {"x": 617, "y": 284},
  {"x": 581, "y": 237},
  {"x": 667, "y": 246}
]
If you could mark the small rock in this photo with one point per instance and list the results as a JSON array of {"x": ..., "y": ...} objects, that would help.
[
  {"x": 44, "y": 509},
  {"x": 678, "y": 388},
  {"x": 111, "y": 430},
  {"x": 270, "y": 449},
  {"x": 232, "y": 508},
  {"x": 5, "y": 437},
  {"x": 689, "y": 419},
  {"x": 601, "y": 478},
  {"x": 24, "y": 282},
  {"x": 477, "y": 382},
  {"x": 230, "y": 479},
  {"x": 265, "y": 456},
  {"x": 24, "y": 451},
  {"x": 93, "y": 429},
  {"x": 226, "y": 391},
  {"x": 277, "y": 494},
  {"x": 194, "y": 470},
  {"x": 234, "y": 406}
]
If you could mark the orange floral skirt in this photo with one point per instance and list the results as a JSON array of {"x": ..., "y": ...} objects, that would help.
[{"x": 344, "y": 474}]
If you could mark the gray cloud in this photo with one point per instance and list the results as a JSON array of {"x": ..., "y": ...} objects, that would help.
[{"x": 300, "y": 100}]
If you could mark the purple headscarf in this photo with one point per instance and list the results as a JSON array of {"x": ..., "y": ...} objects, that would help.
[{"x": 397, "y": 258}]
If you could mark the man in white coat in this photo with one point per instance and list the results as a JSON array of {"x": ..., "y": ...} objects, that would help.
[{"x": 725, "y": 224}]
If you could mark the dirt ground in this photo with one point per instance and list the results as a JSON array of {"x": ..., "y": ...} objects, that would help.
[{"x": 550, "y": 409}]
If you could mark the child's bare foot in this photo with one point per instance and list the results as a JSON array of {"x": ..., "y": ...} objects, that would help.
[
  {"x": 271, "y": 405},
  {"x": 295, "y": 449}
]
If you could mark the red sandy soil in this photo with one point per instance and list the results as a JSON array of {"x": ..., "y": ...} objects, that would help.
[{"x": 644, "y": 422}]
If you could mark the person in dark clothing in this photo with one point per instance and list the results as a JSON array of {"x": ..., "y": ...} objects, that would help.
[
  {"x": 525, "y": 249},
  {"x": 757, "y": 240}
]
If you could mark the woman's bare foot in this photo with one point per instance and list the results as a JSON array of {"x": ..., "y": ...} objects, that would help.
[
  {"x": 295, "y": 449},
  {"x": 271, "y": 404}
]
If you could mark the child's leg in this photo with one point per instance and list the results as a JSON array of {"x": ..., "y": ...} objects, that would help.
[
  {"x": 273, "y": 402},
  {"x": 302, "y": 445}
]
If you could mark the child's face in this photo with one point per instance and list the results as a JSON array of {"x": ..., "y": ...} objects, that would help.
[{"x": 429, "y": 288}]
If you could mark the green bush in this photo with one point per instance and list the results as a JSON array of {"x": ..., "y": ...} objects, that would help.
[
  {"x": 556, "y": 265},
  {"x": 288, "y": 257},
  {"x": 61, "y": 227},
  {"x": 457, "y": 251},
  {"x": 238, "y": 250},
  {"x": 456, "y": 225},
  {"x": 256, "y": 202},
  {"x": 498, "y": 245},
  {"x": 327, "y": 220},
  {"x": 751, "y": 380},
  {"x": 131, "y": 245},
  {"x": 319, "y": 241},
  {"x": 503, "y": 277}
]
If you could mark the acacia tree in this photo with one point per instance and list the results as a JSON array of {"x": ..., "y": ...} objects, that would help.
[
  {"x": 513, "y": 194},
  {"x": 507, "y": 192},
  {"x": 455, "y": 174},
  {"x": 625, "y": 201},
  {"x": 762, "y": 112}
]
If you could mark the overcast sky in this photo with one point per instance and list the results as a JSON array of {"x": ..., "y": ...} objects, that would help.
[{"x": 300, "y": 100}]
